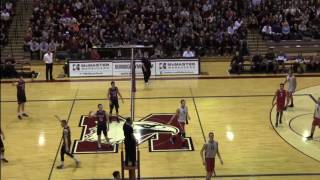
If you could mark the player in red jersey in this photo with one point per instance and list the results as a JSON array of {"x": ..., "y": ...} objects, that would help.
[{"x": 282, "y": 102}]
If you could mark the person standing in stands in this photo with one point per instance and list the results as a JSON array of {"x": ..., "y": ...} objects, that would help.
[
  {"x": 48, "y": 59},
  {"x": 146, "y": 69},
  {"x": 236, "y": 63}
]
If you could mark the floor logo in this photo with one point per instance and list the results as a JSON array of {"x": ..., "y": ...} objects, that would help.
[{"x": 153, "y": 128}]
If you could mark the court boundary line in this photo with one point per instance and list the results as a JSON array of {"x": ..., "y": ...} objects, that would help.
[
  {"x": 225, "y": 176},
  {"x": 160, "y": 97},
  {"x": 313, "y": 98},
  {"x": 293, "y": 130},
  {"x": 274, "y": 129},
  {"x": 199, "y": 120},
  {"x": 190, "y": 77},
  {"x": 70, "y": 112}
]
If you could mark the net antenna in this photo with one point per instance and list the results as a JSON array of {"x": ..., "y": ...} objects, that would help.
[{"x": 132, "y": 72}]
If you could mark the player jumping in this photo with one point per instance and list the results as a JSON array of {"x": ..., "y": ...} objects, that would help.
[{"x": 282, "y": 102}]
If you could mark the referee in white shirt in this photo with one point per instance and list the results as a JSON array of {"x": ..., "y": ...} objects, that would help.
[
  {"x": 188, "y": 53},
  {"x": 48, "y": 59}
]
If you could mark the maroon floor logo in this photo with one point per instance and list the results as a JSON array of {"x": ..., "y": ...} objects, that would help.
[{"x": 153, "y": 128}]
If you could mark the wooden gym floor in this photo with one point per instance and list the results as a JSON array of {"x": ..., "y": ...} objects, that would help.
[{"x": 237, "y": 110}]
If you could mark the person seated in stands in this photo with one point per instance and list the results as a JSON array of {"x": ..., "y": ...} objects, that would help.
[
  {"x": 277, "y": 32},
  {"x": 315, "y": 29},
  {"x": 188, "y": 53},
  {"x": 303, "y": 29},
  {"x": 267, "y": 32},
  {"x": 285, "y": 30},
  {"x": 269, "y": 62},
  {"x": 34, "y": 49},
  {"x": 280, "y": 60},
  {"x": 9, "y": 69},
  {"x": 257, "y": 63},
  {"x": 244, "y": 50},
  {"x": 299, "y": 64},
  {"x": 94, "y": 55},
  {"x": 236, "y": 63},
  {"x": 83, "y": 54},
  {"x": 314, "y": 64},
  {"x": 295, "y": 32}
]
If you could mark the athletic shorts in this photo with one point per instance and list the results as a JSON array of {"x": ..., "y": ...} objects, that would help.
[
  {"x": 280, "y": 107},
  {"x": 316, "y": 122},
  {"x": 21, "y": 98},
  {"x": 114, "y": 104},
  {"x": 101, "y": 128},
  {"x": 210, "y": 162},
  {"x": 182, "y": 126}
]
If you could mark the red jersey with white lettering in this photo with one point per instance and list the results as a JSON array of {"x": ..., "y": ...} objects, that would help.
[{"x": 281, "y": 99}]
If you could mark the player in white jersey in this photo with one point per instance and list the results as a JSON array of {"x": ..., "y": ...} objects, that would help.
[
  {"x": 316, "y": 119},
  {"x": 182, "y": 116},
  {"x": 292, "y": 84},
  {"x": 208, "y": 154}
]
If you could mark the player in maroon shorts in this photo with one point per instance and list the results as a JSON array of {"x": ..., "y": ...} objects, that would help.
[
  {"x": 282, "y": 102},
  {"x": 210, "y": 150},
  {"x": 316, "y": 120}
]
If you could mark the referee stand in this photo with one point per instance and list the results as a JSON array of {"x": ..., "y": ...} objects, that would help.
[{"x": 133, "y": 170}]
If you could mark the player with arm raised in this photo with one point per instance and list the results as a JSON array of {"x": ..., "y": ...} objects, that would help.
[
  {"x": 21, "y": 96},
  {"x": 102, "y": 123}
]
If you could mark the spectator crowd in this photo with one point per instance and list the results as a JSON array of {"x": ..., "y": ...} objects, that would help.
[
  {"x": 286, "y": 19},
  {"x": 7, "y": 11},
  {"x": 74, "y": 27}
]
